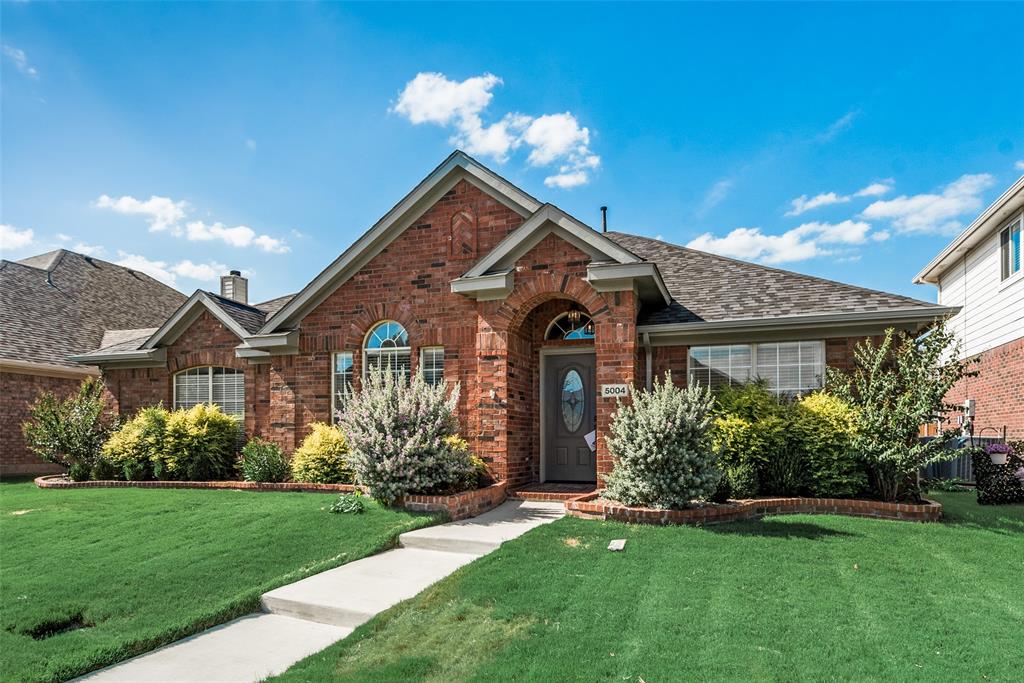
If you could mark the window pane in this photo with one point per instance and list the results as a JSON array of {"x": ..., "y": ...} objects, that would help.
[
  {"x": 717, "y": 366},
  {"x": 387, "y": 335},
  {"x": 343, "y": 369},
  {"x": 1015, "y": 243},
  {"x": 191, "y": 387},
  {"x": 397, "y": 362},
  {"x": 432, "y": 365},
  {"x": 229, "y": 391},
  {"x": 791, "y": 368}
]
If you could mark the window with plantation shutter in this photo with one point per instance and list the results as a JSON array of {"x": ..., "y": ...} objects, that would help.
[
  {"x": 387, "y": 347},
  {"x": 787, "y": 368}
]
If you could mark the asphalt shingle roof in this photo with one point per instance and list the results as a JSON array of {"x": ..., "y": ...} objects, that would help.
[
  {"x": 274, "y": 305},
  {"x": 707, "y": 287},
  {"x": 249, "y": 317},
  {"x": 60, "y": 303}
]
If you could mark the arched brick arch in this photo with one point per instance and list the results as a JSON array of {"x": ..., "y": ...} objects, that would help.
[
  {"x": 401, "y": 312},
  {"x": 203, "y": 357},
  {"x": 548, "y": 286}
]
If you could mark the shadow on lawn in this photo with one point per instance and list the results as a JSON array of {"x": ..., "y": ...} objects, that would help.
[{"x": 778, "y": 528}]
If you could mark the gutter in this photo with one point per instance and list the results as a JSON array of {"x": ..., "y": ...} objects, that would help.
[
  {"x": 137, "y": 358},
  {"x": 27, "y": 367}
]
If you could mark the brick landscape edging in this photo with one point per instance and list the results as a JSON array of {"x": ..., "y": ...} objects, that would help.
[
  {"x": 458, "y": 506},
  {"x": 591, "y": 506}
]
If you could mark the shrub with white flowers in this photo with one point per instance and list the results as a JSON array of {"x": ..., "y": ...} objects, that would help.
[
  {"x": 400, "y": 438},
  {"x": 662, "y": 450}
]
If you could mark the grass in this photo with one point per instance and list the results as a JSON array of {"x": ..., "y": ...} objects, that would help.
[
  {"x": 140, "y": 568},
  {"x": 795, "y": 598}
]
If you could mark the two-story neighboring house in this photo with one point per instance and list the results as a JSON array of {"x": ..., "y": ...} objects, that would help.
[{"x": 982, "y": 271}]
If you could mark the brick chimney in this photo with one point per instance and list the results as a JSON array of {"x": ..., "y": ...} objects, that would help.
[{"x": 235, "y": 287}]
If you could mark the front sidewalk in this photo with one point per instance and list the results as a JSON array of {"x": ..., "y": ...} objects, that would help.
[{"x": 308, "y": 615}]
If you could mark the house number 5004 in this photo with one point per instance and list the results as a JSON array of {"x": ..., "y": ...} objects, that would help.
[{"x": 614, "y": 390}]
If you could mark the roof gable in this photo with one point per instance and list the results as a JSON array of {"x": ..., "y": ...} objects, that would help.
[
  {"x": 240, "y": 319},
  {"x": 458, "y": 166}
]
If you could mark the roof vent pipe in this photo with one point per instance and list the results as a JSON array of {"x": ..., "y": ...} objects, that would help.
[{"x": 604, "y": 219}]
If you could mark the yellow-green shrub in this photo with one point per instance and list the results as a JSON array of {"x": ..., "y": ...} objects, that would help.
[
  {"x": 743, "y": 449},
  {"x": 323, "y": 457},
  {"x": 826, "y": 427},
  {"x": 200, "y": 444},
  {"x": 131, "y": 450}
]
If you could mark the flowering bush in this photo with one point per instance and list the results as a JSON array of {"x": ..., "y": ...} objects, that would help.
[
  {"x": 263, "y": 461},
  {"x": 70, "y": 431},
  {"x": 400, "y": 435},
  {"x": 323, "y": 457},
  {"x": 662, "y": 449}
]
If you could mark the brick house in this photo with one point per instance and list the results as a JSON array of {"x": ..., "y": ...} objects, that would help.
[
  {"x": 981, "y": 272},
  {"x": 543, "y": 321},
  {"x": 54, "y": 305}
]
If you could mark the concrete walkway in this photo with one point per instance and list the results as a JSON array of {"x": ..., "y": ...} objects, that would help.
[{"x": 306, "y": 616}]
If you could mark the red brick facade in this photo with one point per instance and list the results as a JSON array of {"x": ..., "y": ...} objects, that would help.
[
  {"x": 492, "y": 348},
  {"x": 20, "y": 391},
  {"x": 998, "y": 391}
]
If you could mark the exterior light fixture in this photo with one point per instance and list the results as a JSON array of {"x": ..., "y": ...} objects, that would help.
[{"x": 574, "y": 314}]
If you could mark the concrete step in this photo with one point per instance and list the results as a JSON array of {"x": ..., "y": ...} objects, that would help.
[
  {"x": 353, "y": 593},
  {"x": 480, "y": 535},
  {"x": 247, "y": 649}
]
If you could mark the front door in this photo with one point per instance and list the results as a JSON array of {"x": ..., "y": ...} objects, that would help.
[{"x": 570, "y": 417}]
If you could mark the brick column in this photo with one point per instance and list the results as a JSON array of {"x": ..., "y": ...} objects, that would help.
[{"x": 282, "y": 402}]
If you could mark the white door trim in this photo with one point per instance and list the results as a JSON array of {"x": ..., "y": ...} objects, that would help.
[{"x": 544, "y": 353}]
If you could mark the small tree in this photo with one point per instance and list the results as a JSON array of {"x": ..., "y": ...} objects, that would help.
[
  {"x": 399, "y": 437},
  {"x": 70, "y": 431},
  {"x": 896, "y": 387},
  {"x": 662, "y": 450}
]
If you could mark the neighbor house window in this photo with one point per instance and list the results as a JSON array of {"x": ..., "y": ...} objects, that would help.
[
  {"x": 788, "y": 368},
  {"x": 432, "y": 364},
  {"x": 341, "y": 383},
  {"x": 1009, "y": 248},
  {"x": 223, "y": 387},
  {"x": 387, "y": 346}
]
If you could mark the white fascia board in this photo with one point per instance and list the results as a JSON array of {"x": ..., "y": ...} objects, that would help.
[
  {"x": 643, "y": 276},
  {"x": 458, "y": 166},
  {"x": 793, "y": 327},
  {"x": 539, "y": 226},
  {"x": 27, "y": 367},
  {"x": 274, "y": 340},
  {"x": 992, "y": 218},
  {"x": 485, "y": 287},
  {"x": 141, "y": 358},
  {"x": 186, "y": 315}
]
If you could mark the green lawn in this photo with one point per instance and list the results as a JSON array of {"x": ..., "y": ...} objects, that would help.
[
  {"x": 146, "y": 567},
  {"x": 791, "y": 598}
]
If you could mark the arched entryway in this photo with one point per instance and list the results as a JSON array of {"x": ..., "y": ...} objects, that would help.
[{"x": 552, "y": 406}]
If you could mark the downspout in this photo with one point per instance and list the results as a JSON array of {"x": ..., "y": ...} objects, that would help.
[{"x": 649, "y": 360}]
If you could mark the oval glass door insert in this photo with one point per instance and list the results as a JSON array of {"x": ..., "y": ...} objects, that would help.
[{"x": 573, "y": 401}]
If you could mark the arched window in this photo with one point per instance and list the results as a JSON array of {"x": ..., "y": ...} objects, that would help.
[
  {"x": 387, "y": 346},
  {"x": 571, "y": 325},
  {"x": 224, "y": 387}
]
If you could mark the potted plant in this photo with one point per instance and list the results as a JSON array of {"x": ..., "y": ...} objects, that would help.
[{"x": 998, "y": 453}]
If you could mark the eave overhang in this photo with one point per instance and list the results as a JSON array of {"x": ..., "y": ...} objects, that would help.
[
  {"x": 141, "y": 358},
  {"x": 795, "y": 327},
  {"x": 263, "y": 346}
]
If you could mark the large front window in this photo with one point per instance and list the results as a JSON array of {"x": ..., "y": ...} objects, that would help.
[
  {"x": 223, "y": 387},
  {"x": 387, "y": 347},
  {"x": 788, "y": 368}
]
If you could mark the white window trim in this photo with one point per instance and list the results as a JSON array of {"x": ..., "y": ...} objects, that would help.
[
  {"x": 209, "y": 387},
  {"x": 753, "y": 357},
  {"x": 1017, "y": 221},
  {"x": 423, "y": 350},
  {"x": 334, "y": 379}
]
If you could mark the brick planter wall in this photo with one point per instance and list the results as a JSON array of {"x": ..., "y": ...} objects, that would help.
[
  {"x": 457, "y": 506},
  {"x": 591, "y": 506}
]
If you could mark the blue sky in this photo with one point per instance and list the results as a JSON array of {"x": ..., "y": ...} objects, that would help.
[{"x": 846, "y": 141}]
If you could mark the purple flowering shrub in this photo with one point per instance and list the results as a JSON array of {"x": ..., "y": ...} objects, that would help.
[
  {"x": 400, "y": 438},
  {"x": 998, "y": 448}
]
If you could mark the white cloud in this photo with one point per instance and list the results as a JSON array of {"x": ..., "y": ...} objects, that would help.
[
  {"x": 164, "y": 213},
  {"x": 88, "y": 249},
  {"x": 206, "y": 272},
  {"x": 552, "y": 138},
  {"x": 931, "y": 212},
  {"x": 844, "y": 122},
  {"x": 237, "y": 236},
  {"x": 61, "y": 237},
  {"x": 161, "y": 212},
  {"x": 875, "y": 189},
  {"x": 13, "y": 238},
  {"x": 20, "y": 60},
  {"x": 802, "y": 204},
  {"x": 169, "y": 273},
  {"x": 715, "y": 196},
  {"x": 806, "y": 241},
  {"x": 1019, "y": 165},
  {"x": 881, "y": 235}
]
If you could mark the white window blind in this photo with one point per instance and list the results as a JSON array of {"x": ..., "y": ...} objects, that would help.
[
  {"x": 224, "y": 387},
  {"x": 788, "y": 368}
]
